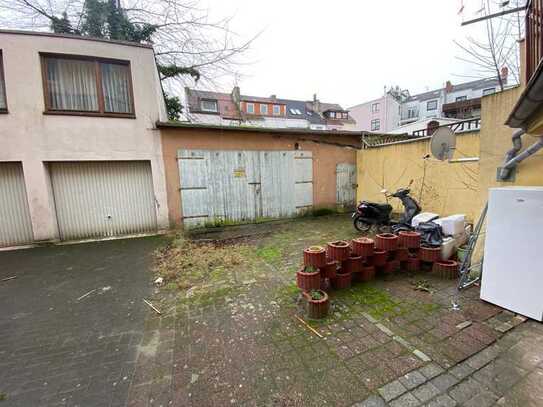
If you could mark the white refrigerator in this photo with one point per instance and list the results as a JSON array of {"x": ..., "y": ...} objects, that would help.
[{"x": 513, "y": 263}]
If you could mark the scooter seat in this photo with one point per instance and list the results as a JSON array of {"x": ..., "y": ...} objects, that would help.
[{"x": 386, "y": 208}]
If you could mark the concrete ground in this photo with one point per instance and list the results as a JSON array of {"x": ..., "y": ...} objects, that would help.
[
  {"x": 57, "y": 348},
  {"x": 231, "y": 339}
]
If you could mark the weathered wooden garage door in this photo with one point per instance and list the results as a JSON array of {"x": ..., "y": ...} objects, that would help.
[
  {"x": 243, "y": 185},
  {"x": 346, "y": 184},
  {"x": 15, "y": 223},
  {"x": 103, "y": 199}
]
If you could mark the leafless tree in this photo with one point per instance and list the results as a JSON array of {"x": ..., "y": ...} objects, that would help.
[
  {"x": 497, "y": 45},
  {"x": 185, "y": 35}
]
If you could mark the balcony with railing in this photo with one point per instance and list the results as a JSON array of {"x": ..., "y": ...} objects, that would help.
[
  {"x": 534, "y": 36},
  {"x": 458, "y": 127}
]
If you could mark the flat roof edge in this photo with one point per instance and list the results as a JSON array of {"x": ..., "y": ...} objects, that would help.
[
  {"x": 75, "y": 37},
  {"x": 187, "y": 125}
]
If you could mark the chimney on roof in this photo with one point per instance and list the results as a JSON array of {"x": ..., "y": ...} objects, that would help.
[
  {"x": 504, "y": 73},
  {"x": 448, "y": 87},
  {"x": 273, "y": 96},
  {"x": 316, "y": 104}
]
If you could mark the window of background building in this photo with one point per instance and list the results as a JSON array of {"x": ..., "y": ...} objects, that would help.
[{"x": 431, "y": 105}]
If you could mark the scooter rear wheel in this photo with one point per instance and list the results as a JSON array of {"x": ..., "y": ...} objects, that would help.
[{"x": 361, "y": 225}]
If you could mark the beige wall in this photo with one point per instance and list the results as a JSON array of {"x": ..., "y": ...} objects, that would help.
[
  {"x": 496, "y": 141},
  {"x": 448, "y": 188},
  {"x": 27, "y": 135},
  {"x": 325, "y": 157}
]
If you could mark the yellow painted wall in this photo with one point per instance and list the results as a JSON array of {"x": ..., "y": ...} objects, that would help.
[
  {"x": 496, "y": 141},
  {"x": 448, "y": 188}
]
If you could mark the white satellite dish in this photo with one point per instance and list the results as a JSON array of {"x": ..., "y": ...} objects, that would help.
[{"x": 443, "y": 143}]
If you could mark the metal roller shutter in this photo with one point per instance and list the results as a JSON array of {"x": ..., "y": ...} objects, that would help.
[
  {"x": 103, "y": 199},
  {"x": 15, "y": 222}
]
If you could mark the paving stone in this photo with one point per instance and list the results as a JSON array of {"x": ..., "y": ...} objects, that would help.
[
  {"x": 369, "y": 318},
  {"x": 461, "y": 370},
  {"x": 392, "y": 390},
  {"x": 407, "y": 400},
  {"x": 465, "y": 390},
  {"x": 426, "y": 392},
  {"x": 504, "y": 327},
  {"x": 442, "y": 401},
  {"x": 413, "y": 379},
  {"x": 431, "y": 370},
  {"x": 444, "y": 382},
  {"x": 372, "y": 401},
  {"x": 422, "y": 356},
  {"x": 384, "y": 329},
  {"x": 483, "y": 399},
  {"x": 463, "y": 325},
  {"x": 403, "y": 342}
]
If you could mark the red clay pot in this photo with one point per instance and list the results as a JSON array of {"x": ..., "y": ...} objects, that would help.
[
  {"x": 379, "y": 257},
  {"x": 352, "y": 265},
  {"x": 409, "y": 240},
  {"x": 317, "y": 309},
  {"x": 363, "y": 246},
  {"x": 315, "y": 256},
  {"x": 446, "y": 269},
  {"x": 368, "y": 261},
  {"x": 386, "y": 241},
  {"x": 413, "y": 264},
  {"x": 342, "y": 280},
  {"x": 366, "y": 274},
  {"x": 329, "y": 270},
  {"x": 401, "y": 254},
  {"x": 391, "y": 266},
  {"x": 430, "y": 254},
  {"x": 307, "y": 281},
  {"x": 338, "y": 250}
]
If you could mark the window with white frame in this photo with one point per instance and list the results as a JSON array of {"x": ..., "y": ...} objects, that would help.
[
  {"x": 489, "y": 91},
  {"x": 431, "y": 105},
  {"x": 250, "y": 108},
  {"x": 263, "y": 108},
  {"x": 208, "y": 105},
  {"x": 375, "y": 124},
  {"x": 276, "y": 110},
  {"x": 412, "y": 113},
  {"x": 374, "y": 107},
  {"x": 3, "y": 102}
]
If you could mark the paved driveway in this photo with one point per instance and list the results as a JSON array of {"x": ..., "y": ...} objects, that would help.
[{"x": 60, "y": 347}]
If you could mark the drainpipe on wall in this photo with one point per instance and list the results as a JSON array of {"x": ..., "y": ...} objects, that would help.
[{"x": 512, "y": 160}]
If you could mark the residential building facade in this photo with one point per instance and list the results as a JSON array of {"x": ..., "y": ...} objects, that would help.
[
  {"x": 234, "y": 109},
  {"x": 397, "y": 108},
  {"x": 80, "y": 155}
]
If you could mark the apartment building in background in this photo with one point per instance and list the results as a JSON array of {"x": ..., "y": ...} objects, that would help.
[
  {"x": 235, "y": 109},
  {"x": 397, "y": 108}
]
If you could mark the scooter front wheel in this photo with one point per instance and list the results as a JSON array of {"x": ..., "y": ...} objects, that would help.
[{"x": 361, "y": 225}]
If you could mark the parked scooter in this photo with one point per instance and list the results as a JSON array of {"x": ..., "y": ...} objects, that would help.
[{"x": 372, "y": 214}]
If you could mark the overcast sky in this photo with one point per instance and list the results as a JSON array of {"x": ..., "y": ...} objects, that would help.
[{"x": 346, "y": 51}]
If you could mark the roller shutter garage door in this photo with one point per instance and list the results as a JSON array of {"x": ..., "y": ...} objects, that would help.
[
  {"x": 15, "y": 223},
  {"x": 103, "y": 199}
]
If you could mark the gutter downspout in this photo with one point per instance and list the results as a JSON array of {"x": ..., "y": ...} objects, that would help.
[{"x": 513, "y": 160}]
